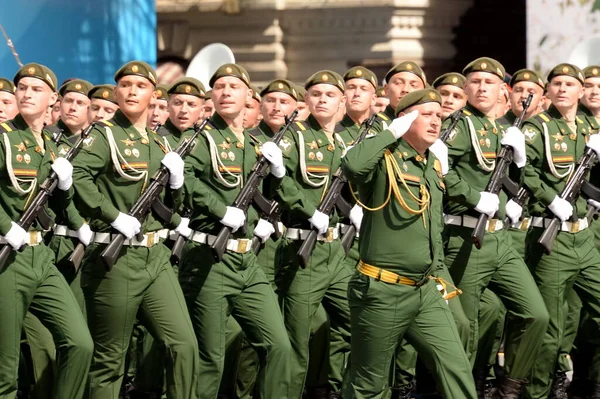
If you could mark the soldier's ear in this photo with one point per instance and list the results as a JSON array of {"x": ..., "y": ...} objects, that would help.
[
  {"x": 373, "y": 99},
  {"x": 580, "y": 92},
  {"x": 343, "y": 101},
  {"x": 54, "y": 97}
]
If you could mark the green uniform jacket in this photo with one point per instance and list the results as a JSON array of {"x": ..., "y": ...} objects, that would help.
[
  {"x": 310, "y": 159},
  {"x": 21, "y": 157},
  {"x": 215, "y": 171},
  {"x": 383, "y": 119},
  {"x": 170, "y": 135},
  {"x": 102, "y": 190},
  {"x": 559, "y": 148},
  {"x": 507, "y": 120},
  {"x": 392, "y": 238},
  {"x": 468, "y": 150}
]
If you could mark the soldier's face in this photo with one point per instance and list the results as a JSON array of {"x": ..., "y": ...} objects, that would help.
[
  {"x": 360, "y": 96},
  {"x": 426, "y": 128},
  {"x": 101, "y": 110},
  {"x": 453, "y": 99},
  {"x": 251, "y": 114},
  {"x": 209, "y": 108},
  {"x": 229, "y": 94},
  {"x": 73, "y": 110},
  {"x": 565, "y": 91},
  {"x": 400, "y": 85},
  {"x": 8, "y": 106},
  {"x": 591, "y": 94},
  {"x": 324, "y": 100},
  {"x": 133, "y": 94},
  {"x": 520, "y": 92},
  {"x": 158, "y": 112},
  {"x": 55, "y": 112},
  {"x": 34, "y": 97},
  {"x": 303, "y": 111},
  {"x": 274, "y": 107},
  {"x": 483, "y": 89},
  {"x": 185, "y": 110},
  {"x": 380, "y": 104}
]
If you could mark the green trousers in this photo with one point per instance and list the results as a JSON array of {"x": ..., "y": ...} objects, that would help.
[
  {"x": 381, "y": 315},
  {"x": 500, "y": 267},
  {"x": 573, "y": 262},
  {"x": 43, "y": 357},
  {"x": 492, "y": 315},
  {"x": 141, "y": 284},
  {"x": 32, "y": 283},
  {"x": 236, "y": 287},
  {"x": 572, "y": 311},
  {"x": 324, "y": 280}
]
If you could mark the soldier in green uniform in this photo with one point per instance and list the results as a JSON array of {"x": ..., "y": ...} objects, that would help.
[
  {"x": 303, "y": 110},
  {"x": 472, "y": 148},
  {"x": 115, "y": 165},
  {"x": 312, "y": 150},
  {"x": 30, "y": 281},
  {"x": 158, "y": 110},
  {"x": 252, "y": 114},
  {"x": 381, "y": 101},
  {"x": 555, "y": 141},
  {"x": 8, "y": 102},
  {"x": 209, "y": 105},
  {"x": 102, "y": 103},
  {"x": 450, "y": 86},
  {"x": 389, "y": 300},
  {"x": 236, "y": 286}
]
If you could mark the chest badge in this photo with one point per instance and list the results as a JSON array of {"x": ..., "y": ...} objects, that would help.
[
  {"x": 319, "y": 156},
  {"x": 27, "y": 158},
  {"x": 482, "y": 132},
  {"x": 311, "y": 155},
  {"x": 21, "y": 147},
  {"x": 225, "y": 145},
  {"x": 313, "y": 145},
  {"x": 135, "y": 152},
  {"x": 128, "y": 143}
]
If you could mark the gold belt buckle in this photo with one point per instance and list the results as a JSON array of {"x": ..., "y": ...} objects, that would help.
[
  {"x": 150, "y": 239},
  {"x": 575, "y": 227},
  {"x": 329, "y": 237},
  {"x": 32, "y": 238},
  {"x": 242, "y": 246},
  {"x": 524, "y": 224},
  {"x": 492, "y": 225}
]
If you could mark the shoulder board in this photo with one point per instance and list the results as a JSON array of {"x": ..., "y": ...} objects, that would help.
[
  {"x": 6, "y": 127},
  {"x": 383, "y": 116},
  {"x": 468, "y": 113},
  {"x": 542, "y": 117},
  {"x": 503, "y": 121},
  {"x": 338, "y": 128},
  {"x": 73, "y": 139},
  {"x": 302, "y": 125},
  {"x": 105, "y": 124},
  {"x": 52, "y": 129},
  {"x": 162, "y": 131},
  {"x": 255, "y": 132}
]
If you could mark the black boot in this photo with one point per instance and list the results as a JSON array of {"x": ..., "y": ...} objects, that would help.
[
  {"x": 595, "y": 394},
  {"x": 579, "y": 389},
  {"x": 509, "y": 389},
  {"x": 559, "y": 386},
  {"x": 319, "y": 392},
  {"x": 403, "y": 391},
  {"x": 483, "y": 386}
]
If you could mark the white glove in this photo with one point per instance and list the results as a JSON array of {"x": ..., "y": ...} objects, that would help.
[
  {"x": 320, "y": 222},
  {"x": 594, "y": 143},
  {"x": 488, "y": 204},
  {"x": 64, "y": 171},
  {"x": 440, "y": 151},
  {"x": 183, "y": 228},
  {"x": 399, "y": 126},
  {"x": 234, "y": 218},
  {"x": 272, "y": 152},
  {"x": 85, "y": 234},
  {"x": 514, "y": 138},
  {"x": 175, "y": 164},
  {"x": 561, "y": 208},
  {"x": 594, "y": 203},
  {"x": 127, "y": 225},
  {"x": 356, "y": 215},
  {"x": 16, "y": 236},
  {"x": 513, "y": 211},
  {"x": 263, "y": 230}
]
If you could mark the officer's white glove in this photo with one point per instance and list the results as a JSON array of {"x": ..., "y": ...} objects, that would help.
[
  {"x": 356, "y": 215},
  {"x": 174, "y": 163},
  {"x": 400, "y": 125},
  {"x": 513, "y": 211},
  {"x": 594, "y": 143},
  {"x": 440, "y": 151},
  {"x": 85, "y": 234},
  {"x": 320, "y": 222},
  {"x": 64, "y": 171},
  {"x": 561, "y": 208},
  {"x": 488, "y": 204},
  {"x": 263, "y": 230},
  {"x": 272, "y": 152},
  {"x": 234, "y": 218},
  {"x": 126, "y": 225},
  {"x": 594, "y": 203},
  {"x": 183, "y": 228},
  {"x": 514, "y": 138},
  {"x": 16, "y": 236}
]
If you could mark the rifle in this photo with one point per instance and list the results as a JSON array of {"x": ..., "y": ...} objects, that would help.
[
  {"x": 454, "y": 118},
  {"x": 499, "y": 177},
  {"x": 251, "y": 194},
  {"x": 576, "y": 184},
  {"x": 179, "y": 242},
  {"x": 149, "y": 200},
  {"x": 333, "y": 198},
  {"x": 39, "y": 201}
]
